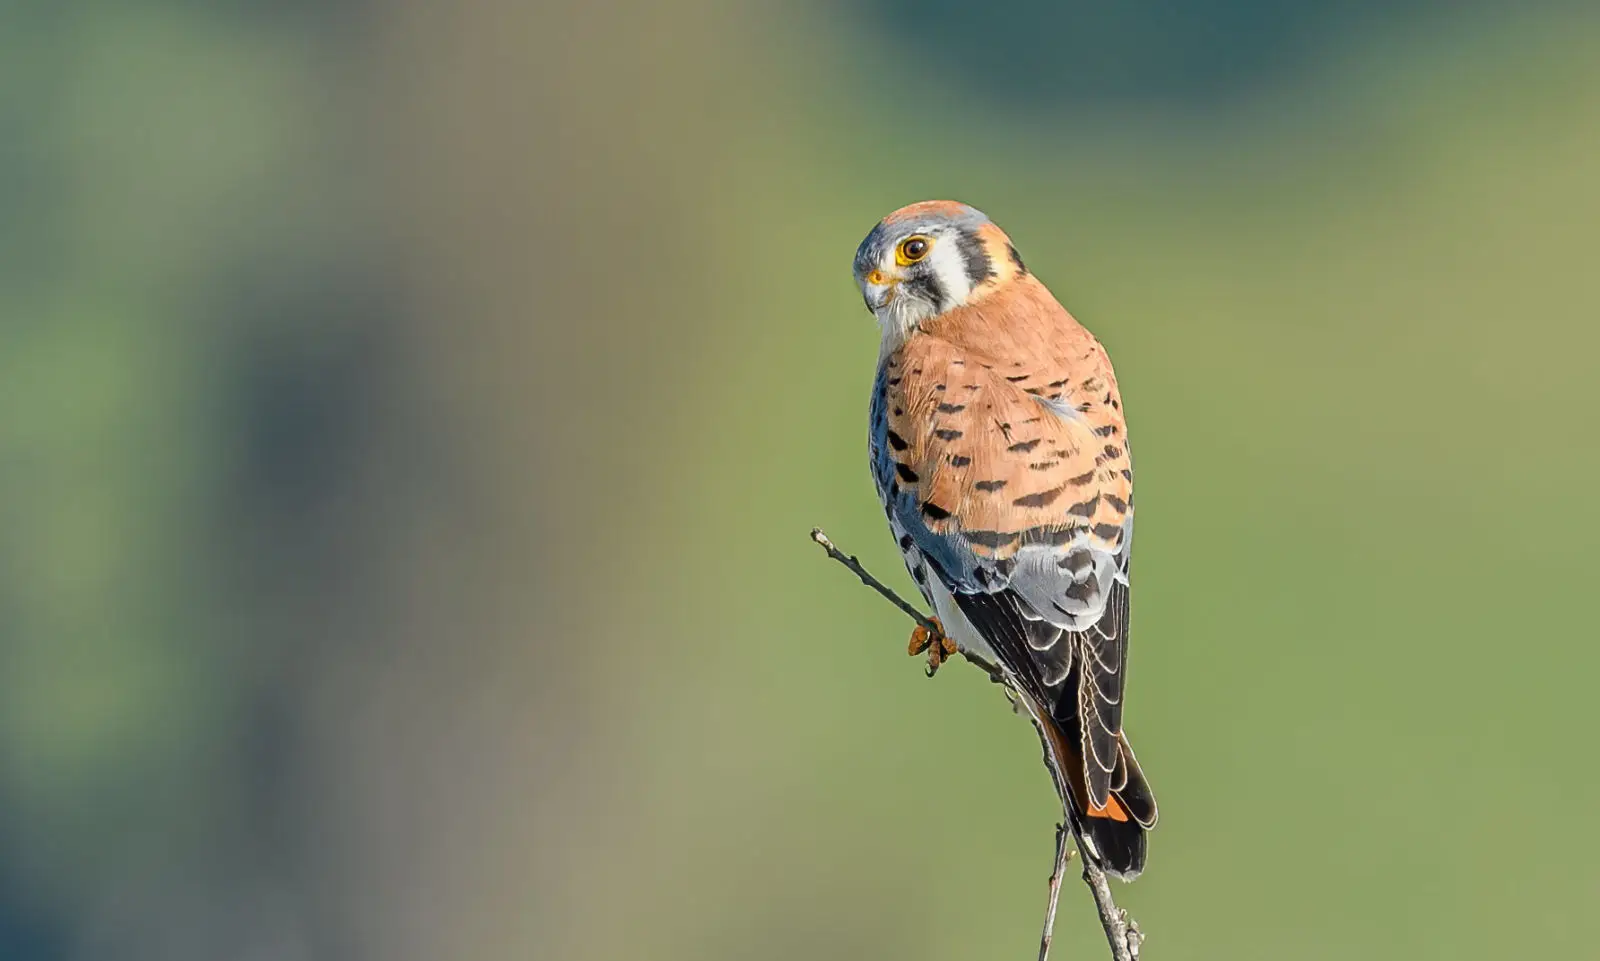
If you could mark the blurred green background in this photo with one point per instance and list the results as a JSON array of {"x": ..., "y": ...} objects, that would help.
[{"x": 414, "y": 413}]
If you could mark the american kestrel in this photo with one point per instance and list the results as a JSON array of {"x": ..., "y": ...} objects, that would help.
[{"x": 1000, "y": 452}]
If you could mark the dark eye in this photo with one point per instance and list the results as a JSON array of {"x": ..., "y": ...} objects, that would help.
[{"x": 912, "y": 249}]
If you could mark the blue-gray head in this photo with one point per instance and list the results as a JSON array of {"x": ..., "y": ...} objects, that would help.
[{"x": 929, "y": 258}]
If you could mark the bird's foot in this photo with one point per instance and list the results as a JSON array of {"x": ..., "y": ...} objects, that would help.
[{"x": 939, "y": 646}]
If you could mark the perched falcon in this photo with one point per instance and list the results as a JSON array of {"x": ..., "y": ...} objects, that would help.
[{"x": 1000, "y": 452}]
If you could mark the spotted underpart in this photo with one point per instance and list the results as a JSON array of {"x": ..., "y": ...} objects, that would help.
[{"x": 999, "y": 448}]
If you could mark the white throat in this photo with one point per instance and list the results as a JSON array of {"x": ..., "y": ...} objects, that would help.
[
  {"x": 901, "y": 315},
  {"x": 897, "y": 319}
]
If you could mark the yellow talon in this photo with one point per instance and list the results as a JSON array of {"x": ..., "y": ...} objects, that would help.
[{"x": 922, "y": 639}]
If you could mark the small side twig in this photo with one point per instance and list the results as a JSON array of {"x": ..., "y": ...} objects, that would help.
[
  {"x": 1063, "y": 855},
  {"x": 1122, "y": 933},
  {"x": 887, "y": 593},
  {"x": 849, "y": 560}
]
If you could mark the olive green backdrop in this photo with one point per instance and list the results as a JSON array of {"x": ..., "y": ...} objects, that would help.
[{"x": 414, "y": 413}]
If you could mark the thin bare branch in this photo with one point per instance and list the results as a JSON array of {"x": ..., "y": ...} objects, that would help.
[
  {"x": 1122, "y": 933},
  {"x": 849, "y": 560},
  {"x": 887, "y": 593},
  {"x": 1063, "y": 855}
]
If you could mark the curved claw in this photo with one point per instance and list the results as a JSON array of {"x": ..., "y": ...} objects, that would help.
[{"x": 923, "y": 639}]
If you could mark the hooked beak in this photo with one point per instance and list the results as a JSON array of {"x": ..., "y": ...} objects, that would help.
[{"x": 878, "y": 290}]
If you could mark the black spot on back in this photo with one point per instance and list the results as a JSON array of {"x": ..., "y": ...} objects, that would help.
[
  {"x": 1085, "y": 510},
  {"x": 991, "y": 539},
  {"x": 1041, "y": 499}
]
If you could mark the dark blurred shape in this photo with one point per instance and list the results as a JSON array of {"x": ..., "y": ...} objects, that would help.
[
  {"x": 302, "y": 369},
  {"x": 1085, "y": 53},
  {"x": 27, "y": 938}
]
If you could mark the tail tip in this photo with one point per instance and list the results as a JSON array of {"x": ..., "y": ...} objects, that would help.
[{"x": 1116, "y": 847}]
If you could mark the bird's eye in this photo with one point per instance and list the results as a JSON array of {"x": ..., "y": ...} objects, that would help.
[{"x": 911, "y": 250}]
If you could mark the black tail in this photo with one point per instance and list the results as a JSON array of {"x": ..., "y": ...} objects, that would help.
[
  {"x": 1116, "y": 847},
  {"x": 1111, "y": 835},
  {"x": 1116, "y": 832}
]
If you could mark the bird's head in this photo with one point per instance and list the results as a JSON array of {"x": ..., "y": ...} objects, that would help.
[{"x": 929, "y": 258}]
